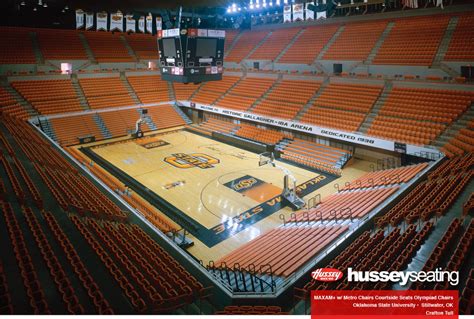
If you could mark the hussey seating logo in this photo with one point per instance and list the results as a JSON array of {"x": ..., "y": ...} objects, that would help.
[{"x": 326, "y": 274}]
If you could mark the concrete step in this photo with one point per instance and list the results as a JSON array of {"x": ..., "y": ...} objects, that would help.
[
  {"x": 446, "y": 68},
  {"x": 452, "y": 130},
  {"x": 265, "y": 94},
  {"x": 89, "y": 53},
  {"x": 36, "y": 48},
  {"x": 313, "y": 98},
  {"x": 101, "y": 124},
  {"x": 46, "y": 127},
  {"x": 374, "y": 111},
  {"x": 232, "y": 45},
  {"x": 196, "y": 91},
  {"x": 229, "y": 90},
  {"x": 295, "y": 38},
  {"x": 181, "y": 113},
  {"x": 80, "y": 93},
  {"x": 21, "y": 100},
  {"x": 171, "y": 91},
  {"x": 130, "y": 89},
  {"x": 330, "y": 42},
  {"x": 258, "y": 45},
  {"x": 129, "y": 48},
  {"x": 444, "y": 44},
  {"x": 149, "y": 121},
  {"x": 379, "y": 42}
]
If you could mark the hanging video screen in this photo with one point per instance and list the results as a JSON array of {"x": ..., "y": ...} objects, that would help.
[
  {"x": 169, "y": 47},
  {"x": 206, "y": 48}
]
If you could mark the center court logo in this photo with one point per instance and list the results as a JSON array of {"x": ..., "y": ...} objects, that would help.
[{"x": 182, "y": 160}]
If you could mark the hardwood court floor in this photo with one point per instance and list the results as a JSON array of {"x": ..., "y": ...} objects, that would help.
[{"x": 201, "y": 193}]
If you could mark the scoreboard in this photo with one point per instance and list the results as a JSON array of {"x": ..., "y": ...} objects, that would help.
[{"x": 191, "y": 55}]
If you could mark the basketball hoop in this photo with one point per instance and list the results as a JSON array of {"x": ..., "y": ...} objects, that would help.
[
  {"x": 265, "y": 158},
  {"x": 289, "y": 181}
]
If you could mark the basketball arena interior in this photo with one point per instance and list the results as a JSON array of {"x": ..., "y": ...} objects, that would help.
[{"x": 321, "y": 135}]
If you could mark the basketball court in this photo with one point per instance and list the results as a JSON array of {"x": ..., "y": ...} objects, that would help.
[{"x": 219, "y": 188}]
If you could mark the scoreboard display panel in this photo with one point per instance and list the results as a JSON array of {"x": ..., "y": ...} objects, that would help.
[{"x": 191, "y": 55}]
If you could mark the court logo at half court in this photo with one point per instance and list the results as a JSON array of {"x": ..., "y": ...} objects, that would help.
[
  {"x": 244, "y": 184},
  {"x": 182, "y": 160},
  {"x": 155, "y": 144}
]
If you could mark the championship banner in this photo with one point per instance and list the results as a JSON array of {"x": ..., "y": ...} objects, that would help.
[
  {"x": 410, "y": 3},
  {"x": 287, "y": 14},
  {"x": 321, "y": 15},
  {"x": 89, "y": 21},
  {"x": 141, "y": 24},
  {"x": 149, "y": 24},
  {"x": 298, "y": 12},
  {"x": 102, "y": 18},
  {"x": 131, "y": 23},
  {"x": 309, "y": 13},
  {"x": 116, "y": 21},
  {"x": 79, "y": 19},
  {"x": 159, "y": 23}
]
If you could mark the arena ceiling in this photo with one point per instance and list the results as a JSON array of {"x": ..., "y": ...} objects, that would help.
[{"x": 128, "y": 5}]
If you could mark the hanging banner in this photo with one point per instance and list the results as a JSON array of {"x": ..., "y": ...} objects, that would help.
[
  {"x": 89, "y": 21},
  {"x": 79, "y": 19},
  {"x": 102, "y": 18},
  {"x": 141, "y": 24},
  {"x": 410, "y": 3},
  {"x": 287, "y": 14},
  {"x": 321, "y": 15},
  {"x": 149, "y": 24},
  {"x": 309, "y": 13},
  {"x": 116, "y": 21},
  {"x": 131, "y": 23},
  {"x": 159, "y": 23},
  {"x": 298, "y": 12}
]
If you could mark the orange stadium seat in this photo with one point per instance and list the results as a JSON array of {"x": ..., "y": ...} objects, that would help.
[
  {"x": 50, "y": 96},
  {"x": 150, "y": 88},
  {"x": 107, "y": 47},
  {"x": 308, "y": 46},
  {"x": 461, "y": 49},
  {"x": 105, "y": 92},
  {"x": 16, "y": 46},
  {"x": 144, "y": 45},
  {"x": 274, "y": 44},
  {"x": 356, "y": 41},
  {"x": 246, "y": 43},
  {"x": 209, "y": 92},
  {"x": 412, "y": 41},
  {"x": 266, "y": 249},
  {"x": 69, "y": 48},
  {"x": 287, "y": 98},
  {"x": 342, "y": 106},
  {"x": 418, "y": 116},
  {"x": 245, "y": 93},
  {"x": 213, "y": 125},
  {"x": 266, "y": 136}
]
